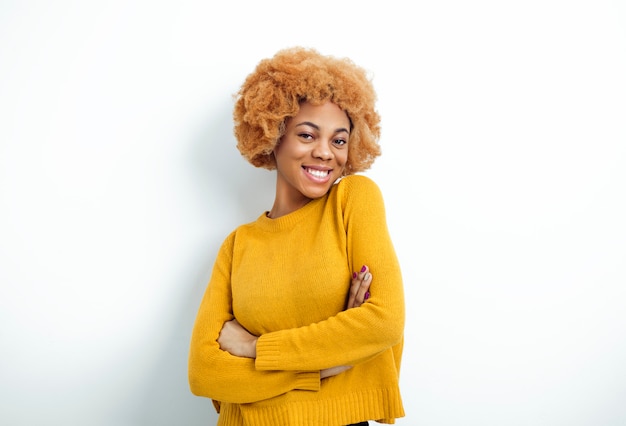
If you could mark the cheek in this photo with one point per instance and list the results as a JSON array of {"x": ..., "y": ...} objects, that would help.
[{"x": 342, "y": 158}]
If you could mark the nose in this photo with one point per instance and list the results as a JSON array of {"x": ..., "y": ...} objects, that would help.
[{"x": 322, "y": 150}]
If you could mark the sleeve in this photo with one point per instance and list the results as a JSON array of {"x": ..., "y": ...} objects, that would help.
[
  {"x": 357, "y": 334},
  {"x": 215, "y": 373}
]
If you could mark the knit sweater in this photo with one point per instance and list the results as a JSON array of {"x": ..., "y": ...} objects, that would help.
[{"x": 286, "y": 280}]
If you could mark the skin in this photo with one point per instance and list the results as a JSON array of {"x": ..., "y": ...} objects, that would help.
[
  {"x": 359, "y": 288},
  {"x": 310, "y": 157}
]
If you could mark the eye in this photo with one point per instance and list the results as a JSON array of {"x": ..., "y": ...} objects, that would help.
[
  {"x": 340, "y": 142},
  {"x": 305, "y": 136}
]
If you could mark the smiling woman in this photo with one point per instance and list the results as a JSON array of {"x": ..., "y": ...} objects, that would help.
[
  {"x": 311, "y": 156},
  {"x": 302, "y": 321}
]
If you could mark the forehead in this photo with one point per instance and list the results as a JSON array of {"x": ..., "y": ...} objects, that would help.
[{"x": 326, "y": 114}]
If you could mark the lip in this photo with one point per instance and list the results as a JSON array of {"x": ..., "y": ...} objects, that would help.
[{"x": 318, "y": 179}]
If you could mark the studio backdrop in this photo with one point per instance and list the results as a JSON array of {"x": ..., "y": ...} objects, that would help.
[{"x": 503, "y": 172}]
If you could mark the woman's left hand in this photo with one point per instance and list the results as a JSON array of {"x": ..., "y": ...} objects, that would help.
[
  {"x": 359, "y": 288},
  {"x": 236, "y": 340}
]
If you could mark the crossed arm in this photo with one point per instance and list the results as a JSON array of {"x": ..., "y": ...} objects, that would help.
[
  {"x": 237, "y": 341},
  {"x": 225, "y": 358}
]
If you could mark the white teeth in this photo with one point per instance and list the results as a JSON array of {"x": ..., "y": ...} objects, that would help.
[{"x": 318, "y": 173}]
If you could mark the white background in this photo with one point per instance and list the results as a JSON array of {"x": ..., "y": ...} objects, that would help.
[{"x": 504, "y": 175}]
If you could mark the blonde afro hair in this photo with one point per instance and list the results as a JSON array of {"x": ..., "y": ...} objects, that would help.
[{"x": 274, "y": 91}]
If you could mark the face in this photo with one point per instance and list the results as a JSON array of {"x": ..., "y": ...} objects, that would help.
[{"x": 311, "y": 155}]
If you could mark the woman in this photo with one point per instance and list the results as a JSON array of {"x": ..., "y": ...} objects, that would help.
[{"x": 302, "y": 321}]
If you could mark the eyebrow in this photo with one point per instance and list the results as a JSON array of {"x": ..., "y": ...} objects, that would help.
[{"x": 316, "y": 127}]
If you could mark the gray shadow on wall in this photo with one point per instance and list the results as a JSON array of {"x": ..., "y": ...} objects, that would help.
[
  {"x": 225, "y": 180},
  {"x": 230, "y": 192}
]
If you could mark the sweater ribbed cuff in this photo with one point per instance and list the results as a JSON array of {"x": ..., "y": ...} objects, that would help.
[
  {"x": 267, "y": 353},
  {"x": 268, "y": 358},
  {"x": 308, "y": 380}
]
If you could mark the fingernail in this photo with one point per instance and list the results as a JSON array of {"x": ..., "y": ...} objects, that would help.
[
  {"x": 354, "y": 275},
  {"x": 367, "y": 295},
  {"x": 364, "y": 268},
  {"x": 367, "y": 277}
]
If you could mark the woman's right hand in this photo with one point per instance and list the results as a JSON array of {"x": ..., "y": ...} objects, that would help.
[{"x": 333, "y": 371}]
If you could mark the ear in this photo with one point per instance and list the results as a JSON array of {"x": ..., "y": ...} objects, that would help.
[{"x": 273, "y": 158}]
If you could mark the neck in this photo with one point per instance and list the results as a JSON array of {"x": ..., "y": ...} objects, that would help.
[
  {"x": 281, "y": 209},
  {"x": 286, "y": 202}
]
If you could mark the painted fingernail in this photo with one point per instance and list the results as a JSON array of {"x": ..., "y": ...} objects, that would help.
[
  {"x": 367, "y": 277},
  {"x": 364, "y": 268},
  {"x": 354, "y": 275},
  {"x": 367, "y": 295}
]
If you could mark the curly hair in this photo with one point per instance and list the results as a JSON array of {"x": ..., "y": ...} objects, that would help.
[{"x": 274, "y": 91}]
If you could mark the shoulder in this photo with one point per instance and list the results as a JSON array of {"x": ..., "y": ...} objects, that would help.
[
  {"x": 358, "y": 193},
  {"x": 235, "y": 238},
  {"x": 228, "y": 242},
  {"x": 248, "y": 226},
  {"x": 358, "y": 184},
  {"x": 358, "y": 188}
]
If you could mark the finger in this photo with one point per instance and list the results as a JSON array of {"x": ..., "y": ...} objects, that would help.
[
  {"x": 359, "y": 289},
  {"x": 354, "y": 289},
  {"x": 364, "y": 270},
  {"x": 366, "y": 278},
  {"x": 363, "y": 290}
]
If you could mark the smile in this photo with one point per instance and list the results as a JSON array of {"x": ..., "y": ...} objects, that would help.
[{"x": 320, "y": 174}]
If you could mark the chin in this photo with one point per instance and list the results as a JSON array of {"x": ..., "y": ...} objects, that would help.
[{"x": 317, "y": 193}]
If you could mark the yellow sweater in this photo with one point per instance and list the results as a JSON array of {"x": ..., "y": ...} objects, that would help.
[{"x": 286, "y": 280}]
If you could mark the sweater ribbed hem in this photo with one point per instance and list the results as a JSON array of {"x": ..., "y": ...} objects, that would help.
[
  {"x": 230, "y": 415},
  {"x": 381, "y": 405}
]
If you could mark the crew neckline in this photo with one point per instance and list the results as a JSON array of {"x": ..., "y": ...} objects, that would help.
[{"x": 290, "y": 219}]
